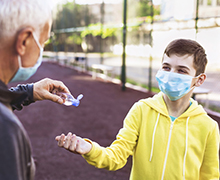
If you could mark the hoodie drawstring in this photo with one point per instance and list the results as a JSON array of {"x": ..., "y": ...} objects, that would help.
[
  {"x": 184, "y": 161},
  {"x": 186, "y": 143},
  {"x": 152, "y": 146}
]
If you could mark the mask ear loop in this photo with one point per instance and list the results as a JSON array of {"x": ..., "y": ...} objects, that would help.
[
  {"x": 38, "y": 43},
  {"x": 194, "y": 86},
  {"x": 19, "y": 61},
  {"x": 40, "y": 47},
  {"x": 36, "y": 40},
  {"x": 199, "y": 77}
]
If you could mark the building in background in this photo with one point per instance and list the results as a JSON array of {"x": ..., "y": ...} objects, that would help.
[
  {"x": 178, "y": 9},
  {"x": 112, "y": 12},
  {"x": 209, "y": 8},
  {"x": 186, "y": 9}
]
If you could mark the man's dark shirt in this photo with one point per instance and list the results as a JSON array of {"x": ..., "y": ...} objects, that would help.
[{"x": 15, "y": 149}]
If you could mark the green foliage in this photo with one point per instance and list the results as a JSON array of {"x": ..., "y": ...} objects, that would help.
[
  {"x": 48, "y": 41},
  {"x": 144, "y": 8},
  {"x": 74, "y": 38},
  {"x": 141, "y": 8},
  {"x": 97, "y": 30},
  {"x": 73, "y": 15},
  {"x": 74, "y": 18}
]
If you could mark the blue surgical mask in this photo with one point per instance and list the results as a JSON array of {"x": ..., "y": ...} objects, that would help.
[
  {"x": 174, "y": 85},
  {"x": 25, "y": 73}
]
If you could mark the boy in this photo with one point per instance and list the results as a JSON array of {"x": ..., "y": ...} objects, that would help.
[{"x": 169, "y": 135}]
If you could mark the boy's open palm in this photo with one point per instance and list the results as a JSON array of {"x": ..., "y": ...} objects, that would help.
[{"x": 74, "y": 143}]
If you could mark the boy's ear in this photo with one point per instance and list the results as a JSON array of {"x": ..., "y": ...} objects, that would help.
[
  {"x": 23, "y": 40},
  {"x": 201, "y": 79}
]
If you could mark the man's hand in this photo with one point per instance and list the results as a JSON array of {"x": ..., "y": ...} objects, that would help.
[
  {"x": 43, "y": 90},
  {"x": 74, "y": 143}
]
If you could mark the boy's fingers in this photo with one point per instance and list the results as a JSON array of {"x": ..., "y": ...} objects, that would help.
[
  {"x": 57, "y": 138},
  {"x": 67, "y": 141},
  {"x": 72, "y": 146},
  {"x": 61, "y": 140},
  {"x": 78, "y": 146}
]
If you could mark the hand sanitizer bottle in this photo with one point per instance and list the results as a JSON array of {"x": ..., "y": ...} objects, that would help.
[{"x": 69, "y": 99}]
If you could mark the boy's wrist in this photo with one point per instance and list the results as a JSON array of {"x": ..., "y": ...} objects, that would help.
[{"x": 89, "y": 146}]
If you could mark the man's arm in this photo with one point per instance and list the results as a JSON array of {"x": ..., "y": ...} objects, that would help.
[
  {"x": 41, "y": 90},
  {"x": 28, "y": 89},
  {"x": 15, "y": 153}
]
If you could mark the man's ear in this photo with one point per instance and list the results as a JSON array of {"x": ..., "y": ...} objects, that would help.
[
  {"x": 23, "y": 40},
  {"x": 201, "y": 79}
]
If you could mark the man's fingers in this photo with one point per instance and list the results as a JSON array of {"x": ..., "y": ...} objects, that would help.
[
  {"x": 55, "y": 98},
  {"x": 43, "y": 90},
  {"x": 54, "y": 84}
]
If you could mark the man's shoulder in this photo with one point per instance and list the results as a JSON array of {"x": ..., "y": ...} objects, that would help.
[{"x": 9, "y": 119}]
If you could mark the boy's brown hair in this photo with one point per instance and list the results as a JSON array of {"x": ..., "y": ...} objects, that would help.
[{"x": 183, "y": 47}]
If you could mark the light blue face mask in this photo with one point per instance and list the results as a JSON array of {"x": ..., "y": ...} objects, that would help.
[
  {"x": 174, "y": 85},
  {"x": 25, "y": 73}
]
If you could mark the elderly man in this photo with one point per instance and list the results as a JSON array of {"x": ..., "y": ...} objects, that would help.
[{"x": 24, "y": 27}]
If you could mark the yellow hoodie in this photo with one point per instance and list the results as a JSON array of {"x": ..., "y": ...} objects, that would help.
[{"x": 163, "y": 150}]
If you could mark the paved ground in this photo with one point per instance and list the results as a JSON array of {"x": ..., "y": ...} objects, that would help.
[{"x": 99, "y": 117}]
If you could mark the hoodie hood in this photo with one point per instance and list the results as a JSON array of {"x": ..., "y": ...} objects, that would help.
[{"x": 157, "y": 102}]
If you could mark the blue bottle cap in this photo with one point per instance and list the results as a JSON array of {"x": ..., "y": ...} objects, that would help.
[{"x": 76, "y": 101}]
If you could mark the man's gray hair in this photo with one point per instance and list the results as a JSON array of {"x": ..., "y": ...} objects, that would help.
[{"x": 18, "y": 14}]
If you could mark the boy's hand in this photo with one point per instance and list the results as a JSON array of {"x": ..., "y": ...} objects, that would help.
[{"x": 74, "y": 143}]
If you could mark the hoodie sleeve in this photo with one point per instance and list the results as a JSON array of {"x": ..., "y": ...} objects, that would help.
[
  {"x": 115, "y": 156},
  {"x": 28, "y": 89},
  {"x": 210, "y": 166}
]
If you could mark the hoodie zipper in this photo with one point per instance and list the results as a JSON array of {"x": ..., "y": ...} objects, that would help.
[{"x": 168, "y": 146}]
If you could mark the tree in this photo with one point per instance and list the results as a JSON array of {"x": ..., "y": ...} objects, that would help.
[
  {"x": 73, "y": 15},
  {"x": 141, "y": 8}
]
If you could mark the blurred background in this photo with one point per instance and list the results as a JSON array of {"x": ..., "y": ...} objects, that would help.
[
  {"x": 121, "y": 42},
  {"x": 131, "y": 35}
]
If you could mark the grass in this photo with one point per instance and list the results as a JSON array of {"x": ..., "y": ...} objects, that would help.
[
  {"x": 44, "y": 56},
  {"x": 133, "y": 82},
  {"x": 212, "y": 107}
]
